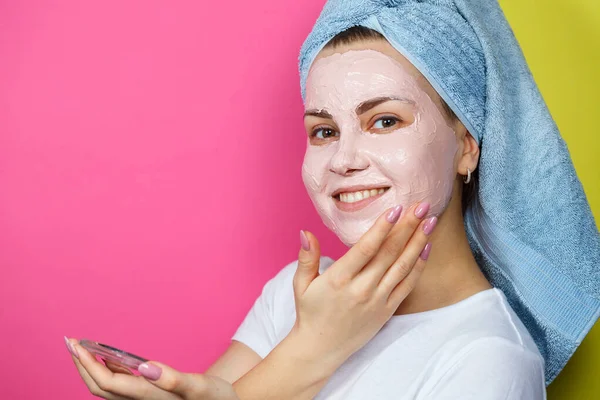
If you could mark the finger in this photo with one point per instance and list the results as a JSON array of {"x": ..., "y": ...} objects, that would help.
[
  {"x": 308, "y": 262},
  {"x": 394, "y": 247},
  {"x": 406, "y": 286},
  {"x": 368, "y": 245},
  {"x": 188, "y": 386},
  {"x": 127, "y": 386},
  {"x": 87, "y": 379},
  {"x": 402, "y": 267}
]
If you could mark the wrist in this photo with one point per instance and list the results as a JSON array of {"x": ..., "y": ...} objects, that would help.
[{"x": 307, "y": 350}]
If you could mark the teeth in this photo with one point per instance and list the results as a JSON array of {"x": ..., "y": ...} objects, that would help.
[{"x": 360, "y": 195}]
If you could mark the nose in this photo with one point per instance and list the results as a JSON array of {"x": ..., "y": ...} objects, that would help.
[{"x": 348, "y": 158}]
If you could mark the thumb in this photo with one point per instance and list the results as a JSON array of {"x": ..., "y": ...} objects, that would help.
[
  {"x": 308, "y": 262},
  {"x": 182, "y": 384}
]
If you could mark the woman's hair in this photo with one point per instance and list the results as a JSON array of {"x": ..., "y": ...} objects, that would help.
[{"x": 361, "y": 33}]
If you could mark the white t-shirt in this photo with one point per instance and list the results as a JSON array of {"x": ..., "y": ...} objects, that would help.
[{"x": 475, "y": 349}]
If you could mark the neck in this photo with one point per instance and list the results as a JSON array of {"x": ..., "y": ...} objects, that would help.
[{"x": 451, "y": 273}]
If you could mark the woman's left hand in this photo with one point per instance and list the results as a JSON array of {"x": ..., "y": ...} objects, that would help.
[{"x": 159, "y": 382}]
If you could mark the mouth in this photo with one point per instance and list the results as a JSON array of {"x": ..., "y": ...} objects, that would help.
[{"x": 356, "y": 198}]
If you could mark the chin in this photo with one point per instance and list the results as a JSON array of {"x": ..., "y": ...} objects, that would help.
[{"x": 350, "y": 233}]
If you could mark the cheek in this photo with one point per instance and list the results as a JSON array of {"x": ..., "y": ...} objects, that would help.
[
  {"x": 309, "y": 180},
  {"x": 313, "y": 170},
  {"x": 416, "y": 164},
  {"x": 442, "y": 152}
]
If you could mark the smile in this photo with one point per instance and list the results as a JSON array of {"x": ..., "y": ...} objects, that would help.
[{"x": 353, "y": 200}]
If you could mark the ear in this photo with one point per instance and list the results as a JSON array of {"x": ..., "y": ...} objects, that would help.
[{"x": 470, "y": 154}]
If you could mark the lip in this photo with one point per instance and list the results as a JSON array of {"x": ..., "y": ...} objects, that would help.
[{"x": 358, "y": 205}]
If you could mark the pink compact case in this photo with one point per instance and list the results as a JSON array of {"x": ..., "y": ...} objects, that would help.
[{"x": 113, "y": 355}]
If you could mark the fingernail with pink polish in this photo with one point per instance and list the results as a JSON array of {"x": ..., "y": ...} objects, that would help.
[
  {"x": 71, "y": 348},
  {"x": 421, "y": 210},
  {"x": 304, "y": 241},
  {"x": 429, "y": 225},
  {"x": 394, "y": 214},
  {"x": 426, "y": 250},
  {"x": 150, "y": 371}
]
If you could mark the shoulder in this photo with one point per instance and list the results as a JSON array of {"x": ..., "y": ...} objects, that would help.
[
  {"x": 489, "y": 317},
  {"x": 489, "y": 350},
  {"x": 491, "y": 368},
  {"x": 498, "y": 352},
  {"x": 500, "y": 359}
]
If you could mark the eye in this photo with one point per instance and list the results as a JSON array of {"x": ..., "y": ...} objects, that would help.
[
  {"x": 386, "y": 122},
  {"x": 324, "y": 133}
]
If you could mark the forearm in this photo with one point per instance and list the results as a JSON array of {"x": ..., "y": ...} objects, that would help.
[{"x": 294, "y": 370}]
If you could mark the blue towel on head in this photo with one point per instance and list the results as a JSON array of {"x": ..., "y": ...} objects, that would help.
[{"x": 530, "y": 226}]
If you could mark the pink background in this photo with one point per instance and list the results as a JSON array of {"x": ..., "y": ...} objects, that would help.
[{"x": 150, "y": 157}]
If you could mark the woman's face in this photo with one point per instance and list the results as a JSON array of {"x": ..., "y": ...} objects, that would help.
[{"x": 376, "y": 140}]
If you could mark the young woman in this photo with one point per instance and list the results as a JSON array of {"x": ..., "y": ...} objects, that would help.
[{"x": 456, "y": 284}]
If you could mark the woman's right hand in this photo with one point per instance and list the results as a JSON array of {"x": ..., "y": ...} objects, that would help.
[{"x": 340, "y": 310}]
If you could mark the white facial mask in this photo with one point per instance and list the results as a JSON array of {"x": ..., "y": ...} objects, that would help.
[{"x": 415, "y": 161}]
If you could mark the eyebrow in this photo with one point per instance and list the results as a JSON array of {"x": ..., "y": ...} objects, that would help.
[
  {"x": 318, "y": 113},
  {"x": 361, "y": 109},
  {"x": 372, "y": 103}
]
